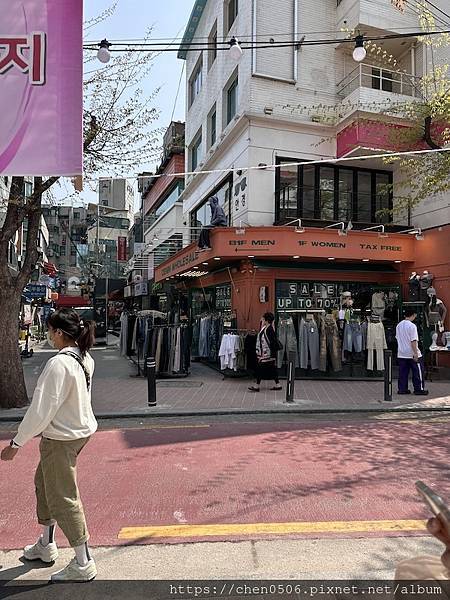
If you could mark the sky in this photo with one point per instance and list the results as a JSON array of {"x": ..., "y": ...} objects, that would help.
[{"x": 130, "y": 20}]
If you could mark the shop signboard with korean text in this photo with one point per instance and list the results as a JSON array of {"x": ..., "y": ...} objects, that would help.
[
  {"x": 41, "y": 85},
  {"x": 36, "y": 291}
]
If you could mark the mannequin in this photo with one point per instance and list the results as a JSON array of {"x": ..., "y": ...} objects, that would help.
[
  {"x": 414, "y": 287},
  {"x": 435, "y": 313},
  {"x": 426, "y": 281},
  {"x": 378, "y": 304}
]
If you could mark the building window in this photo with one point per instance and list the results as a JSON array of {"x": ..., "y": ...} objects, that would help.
[
  {"x": 212, "y": 127},
  {"x": 76, "y": 216},
  {"x": 195, "y": 82},
  {"x": 231, "y": 97},
  {"x": 196, "y": 149},
  {"x": 331, "y": 193},
  {"x": 212, "y": 46},
  {"x": 62, "y": 251},
  {"x": 201, "y": 215},
  {"x": 27, "y": 189},
  {"x": 383, "y": 80},
  {"x": 231, "y": 11},
  {"x": 155, "y": 213}
]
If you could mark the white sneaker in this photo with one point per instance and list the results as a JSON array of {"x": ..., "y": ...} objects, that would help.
[
  {"x": 75, "y": 572},
  {"x": 37, "y": 551}
]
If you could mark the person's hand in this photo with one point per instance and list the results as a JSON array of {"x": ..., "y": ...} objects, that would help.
[
  {"x": 416, "y": 358},
  {"x": 8, "y": 453},
  {"x": 436, "y": 526}
]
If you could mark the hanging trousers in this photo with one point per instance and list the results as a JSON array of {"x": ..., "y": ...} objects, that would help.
[
  {"x": 405, "y": 365},
  {"x": 286, "y": 335},
  {"x": 309, "y": 344}
]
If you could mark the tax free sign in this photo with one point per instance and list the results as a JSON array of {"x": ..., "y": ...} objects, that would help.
[{"x": 41, "y": 87}]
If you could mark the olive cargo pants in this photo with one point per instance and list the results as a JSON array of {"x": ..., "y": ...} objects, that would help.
[{"x": 57, "y": 493}]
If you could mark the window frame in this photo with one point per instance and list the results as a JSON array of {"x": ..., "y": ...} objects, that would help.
[
  {"x": 231, "y": 86},
  {"x": 231, "y": 13},
  {"x": 212, "y": 46},
  {"x": 196, "y": 80},
  {"x": 212, "y": 131},
  {"x": 228, "y": 179},
  {"x": 195, "y": 147},
  {"x": 354, "y": 201}
]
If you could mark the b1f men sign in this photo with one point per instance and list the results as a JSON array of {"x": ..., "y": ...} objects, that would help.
[{"x": 41, "y": 87}]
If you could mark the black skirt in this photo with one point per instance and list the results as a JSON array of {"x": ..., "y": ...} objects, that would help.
[{"x": 267, "y": 371}]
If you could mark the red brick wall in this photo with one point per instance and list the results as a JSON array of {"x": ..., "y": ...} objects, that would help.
[{"x": 175, "y": 165}]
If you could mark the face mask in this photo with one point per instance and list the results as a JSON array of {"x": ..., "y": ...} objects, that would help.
[{"x": 50, "y": 340}]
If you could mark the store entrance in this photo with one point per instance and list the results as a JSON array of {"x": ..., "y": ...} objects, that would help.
[{"x": 336, "y": 330}]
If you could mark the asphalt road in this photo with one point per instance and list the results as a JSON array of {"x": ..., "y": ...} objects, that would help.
[{"x": 241, "y": 497}]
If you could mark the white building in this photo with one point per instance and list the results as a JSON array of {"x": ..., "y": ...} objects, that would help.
[
  {"x": 117, "y": 194},
  {"x": 268, "y": 107}
]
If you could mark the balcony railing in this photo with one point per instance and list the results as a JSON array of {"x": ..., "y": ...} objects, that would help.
[{"x": 376, "y": 78}]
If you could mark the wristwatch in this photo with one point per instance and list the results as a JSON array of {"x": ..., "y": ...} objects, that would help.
[{"x": 13, "y": 444}]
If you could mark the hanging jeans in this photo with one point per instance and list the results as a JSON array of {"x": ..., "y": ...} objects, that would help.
[
  {"x": 309, "y": 344},
  {"x": 286, "y": 335},
  {"x": 330, "y": 345},
  {"x": 353, "y": 337},
  {"x": 405, "y": 365}
]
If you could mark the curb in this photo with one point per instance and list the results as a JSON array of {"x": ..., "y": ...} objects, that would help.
[{"x": 269, "y": 411}]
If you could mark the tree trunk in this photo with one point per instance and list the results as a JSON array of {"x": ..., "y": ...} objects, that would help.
[{"x": 13, "y": 393}]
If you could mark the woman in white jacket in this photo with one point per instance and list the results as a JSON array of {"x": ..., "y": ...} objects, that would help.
[{"x": 61, "y": 412}]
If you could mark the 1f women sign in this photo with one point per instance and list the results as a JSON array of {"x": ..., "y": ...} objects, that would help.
[{"x": 41, "y": 87}]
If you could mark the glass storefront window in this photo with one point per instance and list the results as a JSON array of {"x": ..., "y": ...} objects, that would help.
[
  {"x": 311, "y": 304},
  {"x": 364, "y": 200},
  {"x": 288, "y": 191},
  {"x": 326, "y": 193},
  {"x": 345, "y": 206},
  {"x": 201, "y": 216},
  {"x": 331, "y": 193}
]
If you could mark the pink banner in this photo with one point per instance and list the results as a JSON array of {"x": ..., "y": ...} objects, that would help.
[{"x": 41, "y": 87}]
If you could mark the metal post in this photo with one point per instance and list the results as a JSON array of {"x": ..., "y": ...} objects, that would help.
[
  {"x": 107, "y": 305},
  {"x": 290, "y": 383},
  {"x": 151, "y": 381},
  {"x": 388, "y": 375}
]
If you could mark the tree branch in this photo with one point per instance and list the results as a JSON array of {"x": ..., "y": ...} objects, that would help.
[
  {"x": 427, "y": 135},
  {"x": 34, "y": 222}
]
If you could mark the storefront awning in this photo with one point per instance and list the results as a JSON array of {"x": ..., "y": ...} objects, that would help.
[
  {"x": 285, "y": 243},
  {"x": 72, "y": 301}
]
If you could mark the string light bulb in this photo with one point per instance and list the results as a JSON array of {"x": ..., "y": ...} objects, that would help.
[
  {"x": 103, "y": 54},
  {"x": 235, "y": 49},
  {"x": 359, "y": 53}
]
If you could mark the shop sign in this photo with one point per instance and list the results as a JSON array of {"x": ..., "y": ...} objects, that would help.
[
  {"x": 127, "y": 291},
  {"x": 178, "y": 264},
  {"x": 223, "y": 297},
  {"x": 121, "y": 249},
  {"x": 41, "y": 87},
  {"x": 141, "y": 289},
  {"x": 36, "y": 291},
  {"x": 307, "y": 295}
]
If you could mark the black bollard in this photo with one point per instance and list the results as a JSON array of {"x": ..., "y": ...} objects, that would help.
[
  {"x": 151, "y": 381},
  {"x": 290, "y": 383},
  {"x": 388, "y": 375}
]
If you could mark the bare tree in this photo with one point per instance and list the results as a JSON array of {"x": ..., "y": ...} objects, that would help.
[{"x": 119, "y": 138}]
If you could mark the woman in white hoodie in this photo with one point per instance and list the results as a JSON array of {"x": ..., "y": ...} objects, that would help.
[{"x": 61, "y": 412}]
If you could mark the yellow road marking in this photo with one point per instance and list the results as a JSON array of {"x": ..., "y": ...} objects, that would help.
[{"x": 245, "y": 529}]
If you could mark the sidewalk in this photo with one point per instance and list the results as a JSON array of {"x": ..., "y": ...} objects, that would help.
[{"x": 116, "y": 391}]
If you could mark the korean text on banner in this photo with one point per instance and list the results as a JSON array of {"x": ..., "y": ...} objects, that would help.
[{"x": 41, "y": 87}]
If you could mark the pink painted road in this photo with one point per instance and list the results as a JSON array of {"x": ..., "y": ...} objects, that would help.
[{"x": 210, "y": 473}]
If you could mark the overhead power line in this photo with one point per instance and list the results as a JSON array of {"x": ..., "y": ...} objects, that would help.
[{"x": 271, "y": 43}]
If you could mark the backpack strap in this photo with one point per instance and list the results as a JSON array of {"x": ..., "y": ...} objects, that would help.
[{"x": 80, "y": 362}]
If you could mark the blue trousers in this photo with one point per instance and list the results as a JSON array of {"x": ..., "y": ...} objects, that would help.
[{"x": 405, "y": 365}]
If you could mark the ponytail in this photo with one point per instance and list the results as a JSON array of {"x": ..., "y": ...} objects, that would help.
[
  {"x": 87, "y": 337},
  {"x": 70, "y": 323}
]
